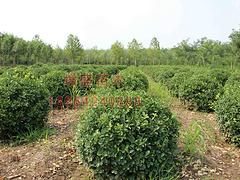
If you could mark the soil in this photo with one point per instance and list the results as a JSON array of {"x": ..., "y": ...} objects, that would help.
[
  {"x": 55, "y": 157},
  {"x": 51, "y": 158},
  {"x": 221, "y": 160}
]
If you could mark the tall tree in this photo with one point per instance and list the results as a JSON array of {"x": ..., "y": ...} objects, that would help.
[
  {"x": 134, "y": 51},
  {"x": 74, "y": 49},
  {"x": 19, "y": 51},
  {"x": 235, "y": 42},
  {"x": 117, "y": 51},
  {"x": 7, "y": 44},
  {"x": 154, "y": 51}
]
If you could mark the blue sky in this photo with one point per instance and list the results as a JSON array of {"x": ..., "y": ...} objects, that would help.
[{"x": 100, "y": 23}]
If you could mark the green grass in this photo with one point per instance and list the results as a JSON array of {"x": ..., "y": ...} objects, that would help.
[
  {"x": 159, "y": 91},
  {"x": 194, "y": 139},
  {"x": 32, "y": 135}
]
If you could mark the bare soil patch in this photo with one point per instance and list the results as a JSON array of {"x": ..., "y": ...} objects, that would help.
[
  {"x": 221, "y": 160},
  {"x": 51, "y": 158}
]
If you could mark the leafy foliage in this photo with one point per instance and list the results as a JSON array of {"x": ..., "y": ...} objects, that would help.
[
  {"x": 54, "y": 82},
  {"x": 200, "y": 91},
  {"x": 119, "y": 142},
  {"x": 24, "y": 105},
  {"x": 130, "y": 79},
  {"x": 220, "y": 75},
  {"x": 228, "y": 110},
  {"x": 176, "y": 82}
]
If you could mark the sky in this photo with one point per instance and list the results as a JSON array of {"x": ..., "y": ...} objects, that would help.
[{"x": 101, "y": 22}]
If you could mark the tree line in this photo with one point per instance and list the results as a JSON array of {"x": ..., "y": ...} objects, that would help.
[{"x": 203, "y": 52}]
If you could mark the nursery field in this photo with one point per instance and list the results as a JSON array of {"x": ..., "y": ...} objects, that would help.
[{"x": 119, "y": 122}]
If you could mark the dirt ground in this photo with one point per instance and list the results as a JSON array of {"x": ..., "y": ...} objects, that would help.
[
  {"x": 221, "y": 160},
  {"x": 55, "y": 157},
  {"x": 51, "y": 158}
]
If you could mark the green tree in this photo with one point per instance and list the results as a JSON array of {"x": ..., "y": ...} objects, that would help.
[
  {"x": 154, "y": 51},
  {"x": 7, "y": 44},
  {"x": 19, "y": 50},
  {"x": 235, "y": 42},
  {"x": 74, "y": 49},
  {"x": 58, "y": 55},
  {"x": 134, "y": 51},
  {"x": 117, "y": 51}
]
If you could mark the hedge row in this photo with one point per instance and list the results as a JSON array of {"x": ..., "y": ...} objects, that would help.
[
  {"x": 24, "y": 106},
  {"x": 25, "y": 93},
  {"x": 228, "y": 110},
  {"x": 207, "y": 90},
  {"x": 199, "y": 88}
]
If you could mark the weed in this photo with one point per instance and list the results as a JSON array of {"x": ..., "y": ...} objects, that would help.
[
  {"x": 194, "y": 139},
  {"x": 159, "y": 91},
  {"x": 32, "y": 135}
]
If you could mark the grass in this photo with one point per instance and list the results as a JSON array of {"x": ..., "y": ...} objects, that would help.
[
  {"x": 194, "y": 139},
  {"x": 159, "y": 91},
  {"x": 32, "y": 135}
]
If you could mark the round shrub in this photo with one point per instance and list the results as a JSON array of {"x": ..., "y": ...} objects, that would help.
[
  {"x": 232, "y": 81},
  {"x": 19, "y": 71},
  {"x": 128, "y": 141},
  {"x": 165, "y": 75},
  {"x": 38, "y": 72},
  {"x": 130, "y": 79},
  {"x": 176, "y": 81},
  {"x": 228, "y": 114},
  {"x": 55, "y": 83},
  {"x": 220, "y": 75},
  {"x": 24, "y": 105},
  {"x": 200, "y": 91},
  {"x": 2, "y": 70}
]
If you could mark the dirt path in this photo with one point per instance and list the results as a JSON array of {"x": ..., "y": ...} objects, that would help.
[
  {"x": 52, "y": 158},
  {"x": 222, "y": 160}
]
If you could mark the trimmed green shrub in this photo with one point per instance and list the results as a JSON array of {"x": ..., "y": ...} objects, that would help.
[
  {"x": 177, "y": 80},
  {"x": 228, "y": 114},
  {"x": 19, "y": 71},
  {"x": 24, "y": 105},
  {"x": 165, "y": 75},
  {"x": 55, "y": 83},
  {"x": 130, "y": 79},
  {"x": 2, "y": 70},
  {"x": 128, "y": 141},
  {"x": 232, "y": 81},
  {"x": 200, "y": 91},
  {"x": 38, "y": 72},
  {"x": 220, "y": 74},
  {"x": 228, "y": 110}
]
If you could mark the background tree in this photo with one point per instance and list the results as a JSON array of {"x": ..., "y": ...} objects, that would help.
[
  {"x": 19, "y": 51},
  {"x": 134, "y": 51},
  {"x": 235, "y": 43},
  {"x": 154, "y": 51},
  {"x": 117, "y": 51},
  {"x": 74, "y": 49},
  {"x": 7, "y": 44}
]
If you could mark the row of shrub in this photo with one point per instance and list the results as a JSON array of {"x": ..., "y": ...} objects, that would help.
[
  {"x": 199, "y": 88},
  {"x": 228, "y": 110},
  {"x": 206, "y": 90},
  {"x": 25, "y": 93},
  {"x": 128, "y": 142},
  {"x": 54, "y": 76}
]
